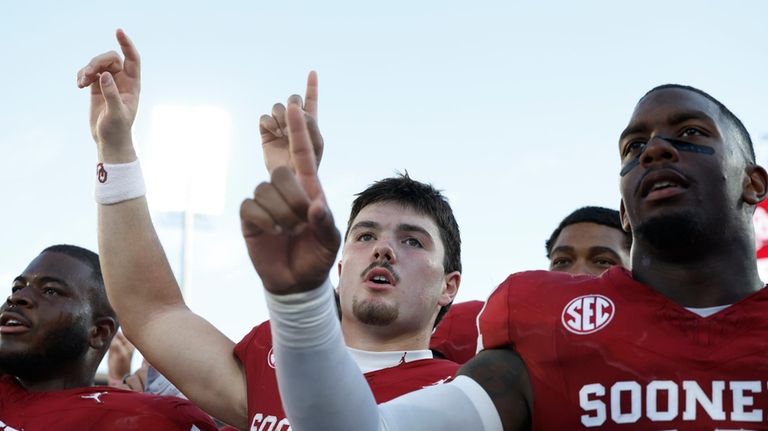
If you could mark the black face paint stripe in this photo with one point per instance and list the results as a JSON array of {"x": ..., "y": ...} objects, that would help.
[
  {"x": 679, "y": 146},
  {"x": 629, "y": 166},
  {"x": 690, "y": 147}
]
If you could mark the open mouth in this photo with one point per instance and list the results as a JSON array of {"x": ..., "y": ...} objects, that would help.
[
  {"x": 661, "y": 184},
  {"x": 381, "y": 277},
  {"x": 13, "y": 323}
]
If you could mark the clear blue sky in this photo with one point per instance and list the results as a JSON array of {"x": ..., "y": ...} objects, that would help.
[{"x": 512, "y": 108}]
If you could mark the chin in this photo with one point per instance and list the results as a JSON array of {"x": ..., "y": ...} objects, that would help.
[
  {"x": 683, "y": 233},
  {"x": 374, "y": 313}
]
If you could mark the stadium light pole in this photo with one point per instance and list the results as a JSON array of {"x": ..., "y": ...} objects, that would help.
[{"x": 186, "y": 168}]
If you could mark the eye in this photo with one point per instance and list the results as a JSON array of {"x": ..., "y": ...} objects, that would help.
[
  {"x": 692, "y": 131},
  {"x": 559, "y": 262},
  {"x": 602, "y": 261},
  {"x": 413, "y": 242},
  {"x": 365, "y": 237},
  {"x": 50, "y": 291},
  {"x": 15, "y": 288},
  {"x": 634, "y": 148}
]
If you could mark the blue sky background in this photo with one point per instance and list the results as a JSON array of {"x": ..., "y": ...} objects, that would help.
[{"x": 512, "y": 108}]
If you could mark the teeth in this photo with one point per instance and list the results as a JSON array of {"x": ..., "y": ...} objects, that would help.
[
  {"x": 12, "y": 322},
  {"x": 380, "y": 279},
  {"x": 663, "y": 185}
]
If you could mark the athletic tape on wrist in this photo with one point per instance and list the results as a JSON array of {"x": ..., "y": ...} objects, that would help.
[{"x": 117, "y": 183}]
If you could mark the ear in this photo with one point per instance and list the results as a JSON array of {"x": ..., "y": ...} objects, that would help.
[
  {"x": 102, "y": 331},
  {"x": 452, "y": 282},
  {"x": 624, "y": 219},
  {"x": 338, "y": 266},
  {"x": 755, "y": 183}
]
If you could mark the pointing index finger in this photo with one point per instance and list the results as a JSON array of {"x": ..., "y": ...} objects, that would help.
[
  {"x": 132, "y": 63},
  {"x": 310, "y": 98},
  {"x": 302, "y": 152}
]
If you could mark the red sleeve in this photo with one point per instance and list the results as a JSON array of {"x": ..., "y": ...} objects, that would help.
[
  {"x": 519, "y": 300},
  {"x": 493, "y": 322},
  {"x": 241, "y": 348}
]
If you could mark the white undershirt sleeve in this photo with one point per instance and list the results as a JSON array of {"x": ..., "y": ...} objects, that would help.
[{"x": 322, "y": 387}]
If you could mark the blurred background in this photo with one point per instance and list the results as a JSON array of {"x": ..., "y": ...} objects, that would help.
[{"x": 512, "y": 108}]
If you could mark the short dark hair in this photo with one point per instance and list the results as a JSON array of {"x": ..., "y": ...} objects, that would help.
[
  {"x": 97, "y": 295},
  {"x": 590, "y": 214},
  {"x": 424, "y": 199},
  {"x": 743, "y": 134}
]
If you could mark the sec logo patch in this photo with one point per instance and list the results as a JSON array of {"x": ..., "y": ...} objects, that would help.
[{"x": 587, "y": 314}]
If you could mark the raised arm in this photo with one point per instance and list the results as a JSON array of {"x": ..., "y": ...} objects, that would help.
[{"x": 187, "y": 349}]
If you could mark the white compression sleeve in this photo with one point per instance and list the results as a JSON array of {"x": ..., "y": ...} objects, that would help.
[
  {"x": 322, "y": 387},
  {"x": 460, "y": 405}
]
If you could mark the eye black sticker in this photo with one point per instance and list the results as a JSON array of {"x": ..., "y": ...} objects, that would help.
[{"x": 679, "y": 146}]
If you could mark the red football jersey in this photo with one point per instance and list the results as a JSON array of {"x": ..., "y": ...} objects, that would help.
[
  {"x": 456, "y": 335},
  {"x": 265, "y": 410},
  {"x": 95, "y": 408},
  {"x": 614, "y": 354}
]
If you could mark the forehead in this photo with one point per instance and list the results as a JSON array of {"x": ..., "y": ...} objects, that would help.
[
  {"x": 393, "y": 214},
  {"x": 587, "y": 235},
  {"x": 662, "y": 106},
  {"x": 58, "y": 265}
]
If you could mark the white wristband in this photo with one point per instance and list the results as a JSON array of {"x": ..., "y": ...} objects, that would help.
[{"x": 119, "y": 182}]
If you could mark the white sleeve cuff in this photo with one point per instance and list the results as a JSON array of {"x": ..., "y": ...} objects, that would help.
[{"x": 301, "y": 320}]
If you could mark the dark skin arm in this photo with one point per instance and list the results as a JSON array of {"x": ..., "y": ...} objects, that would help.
[{"x": 502, "y": 373}]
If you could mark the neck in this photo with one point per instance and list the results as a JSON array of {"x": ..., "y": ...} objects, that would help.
[
  {"x": 384, "y": 338},
  {"x": 723, "y": 276},
  {"x": 65, "y": 378}
]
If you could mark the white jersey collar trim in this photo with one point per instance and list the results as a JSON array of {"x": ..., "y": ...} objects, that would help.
[
  {"x": 707, "y": 311},
  {"x": 373, "y": 361}
]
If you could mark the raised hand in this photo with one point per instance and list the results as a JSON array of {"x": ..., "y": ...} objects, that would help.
[
  {"x": 119, "y": 358},
  {"x": 115, "y": 84},
  {"x": 274, "y": 132},
  {"x": 287, "y": 226}
]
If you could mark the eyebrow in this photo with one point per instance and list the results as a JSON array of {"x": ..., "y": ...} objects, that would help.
[
  {"x": 592, "y": 250},
  {"x": 402, "y": 227},
  {"x": 599, "y": 250},
  {"x": 365, "y": 224},
  {"x": 405, "y": 227},
  {"x": 43, "y": 279},
  {"x": 673, "y": 119}
]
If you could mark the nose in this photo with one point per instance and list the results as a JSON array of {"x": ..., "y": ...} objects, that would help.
[
  {"x": 19, "y": 298},
  {"x": 384, "y": 251},
  {"x": 658, "y": 150}
]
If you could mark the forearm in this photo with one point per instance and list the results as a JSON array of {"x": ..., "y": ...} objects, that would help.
[
  {"x": 320, "y": 384},
  {"x": 136, "y": 272}
]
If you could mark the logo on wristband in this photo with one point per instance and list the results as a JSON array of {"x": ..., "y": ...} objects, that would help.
[{"x": 101, "y": 173}]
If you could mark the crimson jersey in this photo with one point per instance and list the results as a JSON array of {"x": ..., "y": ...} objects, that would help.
[
  {"x": 265, "y": 411},
  {"x": 456, "y": 335},
  {"x": 95, "y": 408},
  {"x": 612, "y": 353}
]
